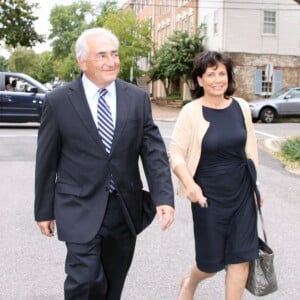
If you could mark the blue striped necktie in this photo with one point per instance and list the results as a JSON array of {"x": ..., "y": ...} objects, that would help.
[{"x": 105, "y": 127}]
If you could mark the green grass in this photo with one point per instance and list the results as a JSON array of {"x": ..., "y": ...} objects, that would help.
[
  {"x": 289, "y": 154},
  {"x": 290, "y": 149}
]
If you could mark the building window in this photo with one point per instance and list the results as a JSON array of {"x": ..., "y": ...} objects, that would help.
[
  {"x": 163, "y": 7},
  {"x": 159, "y": 37},
  {"x": 269, "y": 22},
  {"x": 179, "y": 23},
  {"x": 185, "y": 24},
  {"x": 267, "y": 85},
  {"x": 191, "y": 24},
  {"x": 205, "y": 25},
  {"x": 168, "y": 30},
  {"x": 216, "y": 22}
]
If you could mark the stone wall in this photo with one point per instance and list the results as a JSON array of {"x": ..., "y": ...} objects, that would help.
[{"x": 245, "y": 65}]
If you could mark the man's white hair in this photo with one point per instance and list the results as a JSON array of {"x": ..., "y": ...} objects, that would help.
[{"x": 81, "y": 46}]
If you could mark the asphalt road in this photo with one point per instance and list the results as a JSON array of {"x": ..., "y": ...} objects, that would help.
[{"x": 32, "y": 266}]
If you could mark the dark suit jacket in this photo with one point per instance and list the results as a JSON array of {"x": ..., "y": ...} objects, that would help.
[{"x": 73, "y": 168}]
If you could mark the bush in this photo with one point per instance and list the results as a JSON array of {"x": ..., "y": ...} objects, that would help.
[
  {"x": 175, "y": 95},
  {"x": 290, "y": 149}
]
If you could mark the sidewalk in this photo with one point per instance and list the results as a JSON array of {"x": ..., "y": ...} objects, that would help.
[{"x": 164, "y": 113}]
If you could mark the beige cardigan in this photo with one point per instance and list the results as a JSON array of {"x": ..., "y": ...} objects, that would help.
[{"x": 190, "y": 128}]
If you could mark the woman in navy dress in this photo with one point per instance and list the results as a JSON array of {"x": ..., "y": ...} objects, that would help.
[{"x": 212, "y": 141}]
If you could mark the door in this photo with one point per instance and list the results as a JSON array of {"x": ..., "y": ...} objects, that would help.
[
  {"x": 292, "y": 102},
  {"x": 20, "y": 106}
]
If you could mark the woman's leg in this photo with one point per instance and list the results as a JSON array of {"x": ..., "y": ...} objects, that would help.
[
  {"x": 190, "y": 282},
  {"x": 235, "y": 281}
]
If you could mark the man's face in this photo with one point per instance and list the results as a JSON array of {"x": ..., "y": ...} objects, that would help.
[{"x": 102, "y": 65}]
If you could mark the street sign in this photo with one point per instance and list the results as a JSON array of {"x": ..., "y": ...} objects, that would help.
[{"x": 269, "y": 72}]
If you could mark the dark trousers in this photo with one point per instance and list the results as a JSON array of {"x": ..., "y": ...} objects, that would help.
[{"x": 97, "y": 270}]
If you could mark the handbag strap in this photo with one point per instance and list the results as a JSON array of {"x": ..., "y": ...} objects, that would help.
[
  {"x": 252, "y": 172},
  {"x": 257, "y": 203}
]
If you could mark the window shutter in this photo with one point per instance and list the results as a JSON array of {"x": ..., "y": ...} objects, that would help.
[
  {"x": 258, "y": 82},
  {"x": 277, "y": 80}
]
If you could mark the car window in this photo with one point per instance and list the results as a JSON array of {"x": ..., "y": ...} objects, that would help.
[
  {"x": 295, "y": 94},
  {"x": 280, "y": 92},
  {"x": 17, "y": 84}
]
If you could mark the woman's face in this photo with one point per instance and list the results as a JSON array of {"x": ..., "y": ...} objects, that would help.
[{"x": 214, "y": 81}]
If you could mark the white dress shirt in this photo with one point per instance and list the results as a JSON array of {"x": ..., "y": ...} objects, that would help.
[{"x": 92, "y": 95}]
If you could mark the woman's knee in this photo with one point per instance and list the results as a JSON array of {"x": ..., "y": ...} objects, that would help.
[
  {"x": 238, "y": 270},
  {"x": 201, "y": 273}
]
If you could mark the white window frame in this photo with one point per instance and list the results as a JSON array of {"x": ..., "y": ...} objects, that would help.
[
  {"x": 216, "y": 22},
  {"x": 269, "y": 26},
  {"x": 266, "y": 86},
  {"x": 262, "y": 86},
  {"x": 205, "y": 25},
  {"x": 191, "y": 24}
]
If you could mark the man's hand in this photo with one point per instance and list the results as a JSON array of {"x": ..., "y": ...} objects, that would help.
[
  {"x": 47, "y": 227},
  {"x": 165, "y": 214}
]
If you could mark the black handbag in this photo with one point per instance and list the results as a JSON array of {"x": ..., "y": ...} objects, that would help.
[{"x": 262, "y": 277}]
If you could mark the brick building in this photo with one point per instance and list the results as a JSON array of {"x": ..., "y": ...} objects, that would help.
[
  {"x": 166, "y": 16},
  {"x": 263, "y": 38}
]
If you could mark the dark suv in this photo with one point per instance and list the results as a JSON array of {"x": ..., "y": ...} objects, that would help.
[{"x": 21, "y": 98}]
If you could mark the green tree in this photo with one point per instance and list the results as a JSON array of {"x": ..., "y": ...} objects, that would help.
[
  {"x": 67, "y": 23},
  {"x": 159, "y": 65},
  {"x": 16, "y": 23},
  {"x": 134, "y": 36},
  {"x": 106, "y": 8},
  {"x": 46, "y": 70},
  {"x": 3, "y": 63},
  {"x": 24, "y": 60},
  {"x": 174, "y": 60},
  {"x": 67, "y": 68},
  {"x": 39, "y": 66}
]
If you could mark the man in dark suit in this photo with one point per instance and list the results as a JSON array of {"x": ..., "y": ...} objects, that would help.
[{"x": 94, "y": 192}]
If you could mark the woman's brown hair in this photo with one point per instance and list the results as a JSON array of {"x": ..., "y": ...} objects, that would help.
[{"x": 211, "y": 59}]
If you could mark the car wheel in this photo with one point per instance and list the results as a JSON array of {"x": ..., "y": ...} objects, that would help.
[{"x": 267, "y": 115}]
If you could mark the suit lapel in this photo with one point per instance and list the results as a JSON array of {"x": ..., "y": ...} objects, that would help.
[
  {"x": 78, "y": 99},
  {"x": 123, "y": 108}
]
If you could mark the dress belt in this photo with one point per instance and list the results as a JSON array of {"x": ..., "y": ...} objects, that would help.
[{"x": 113, "y": 193}]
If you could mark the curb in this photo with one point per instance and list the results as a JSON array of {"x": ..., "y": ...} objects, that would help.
[
  {"x": 158, "y": 119},
  {"x": 274, "y": 144}
]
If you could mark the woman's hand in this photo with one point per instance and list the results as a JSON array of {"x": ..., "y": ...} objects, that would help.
[
  {"x": 261, "y": 200},
  {"x": 194, "y": 194},
  {"x": 193, "y": 190}
]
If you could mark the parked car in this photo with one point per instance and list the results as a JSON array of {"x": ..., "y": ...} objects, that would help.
[
  {"x": 21, "y": 98},
  {"x": 284, "y": 103}
]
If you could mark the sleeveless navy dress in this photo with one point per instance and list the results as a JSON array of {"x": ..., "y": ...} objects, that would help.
[{"x": 226, "y": 231}]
